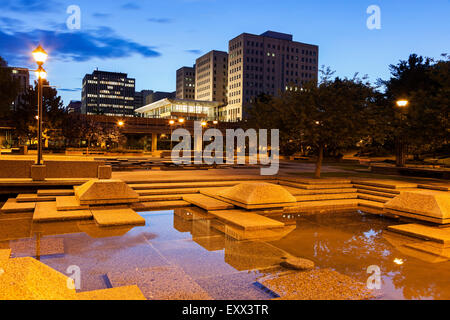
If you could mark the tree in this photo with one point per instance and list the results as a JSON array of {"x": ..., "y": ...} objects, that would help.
[
  {"x": 9, "y": 89},
  {"x": 53, "y": 115},
  {"x": 328, "y": 117},
  {"x": 422, "y": 125}
]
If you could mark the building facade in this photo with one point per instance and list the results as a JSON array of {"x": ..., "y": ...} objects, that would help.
[
  {"x": 140, "y": 97},
  {"x": 158, "y": 95},
  {"x": 268, "y": 63},
  {"x": 211, "y": 77},
  {"x": 74, "y": 107},
  {"x": 108, "y": 93},
  {"x": 186, "y": 83},
  {"x": 173, "y": 108}
]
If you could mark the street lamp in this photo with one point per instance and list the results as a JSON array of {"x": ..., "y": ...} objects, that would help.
[
  {"x": 40, "y": 56},
  {"x": 400, "y": 154},
  {"x": 171, "y": 122},
  {"x": 120, "y": 123},
  {"x": 402, "y": 103}
]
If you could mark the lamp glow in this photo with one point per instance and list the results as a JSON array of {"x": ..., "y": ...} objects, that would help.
[
  {"x": 120, "y": 123},
  {"x": 39, "y": 55},
  {"x": 402, "y": 103},
  {"x": 181, "y": 120},
  {"x": 171, "y": 122}
]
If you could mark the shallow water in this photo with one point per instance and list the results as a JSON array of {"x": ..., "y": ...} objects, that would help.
[{"x": 346, "y": 242}]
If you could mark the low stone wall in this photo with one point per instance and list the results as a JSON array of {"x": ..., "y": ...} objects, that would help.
[
  {"x": 413, "y": 172},
  {"x": 72, "y": 169},
  {"x": 15, "y": 168}
]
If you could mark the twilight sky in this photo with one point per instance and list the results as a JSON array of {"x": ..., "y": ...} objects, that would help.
[{"x": 150, "y": 39}]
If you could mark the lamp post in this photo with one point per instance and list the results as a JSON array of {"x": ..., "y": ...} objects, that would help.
[
  {"x": 40, "y": 56},
  {"x": 400, "y": 152},
  {"x": 171, "y": 123}
]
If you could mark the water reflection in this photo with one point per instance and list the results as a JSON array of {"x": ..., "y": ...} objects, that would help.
[{"x": 218, "y": 256}]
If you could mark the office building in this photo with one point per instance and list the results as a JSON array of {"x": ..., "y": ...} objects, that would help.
[
  {"x": 74, "y": 107},
  {"x": 186, "y": 83},
  {"x": 159, "y": 95},
  {"x": 268, "y": 63},
  {"x": 211, "y": 77},
  {"x": 108, "y": 93},
  {"x": 140, "y": 98}
]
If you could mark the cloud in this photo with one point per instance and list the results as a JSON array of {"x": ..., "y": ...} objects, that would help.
[
  {"x": 130, "y": 6},
  {"x": 69, "y": 90},
  {"x": 101, "y": 43},
  {"x": 10, "y": 22},
  {"x": 29, "y": 5},
  {"x": 101, "y": 15},
  {"x": 160, "y": 20},
  {"x": 193, "y": 51}
]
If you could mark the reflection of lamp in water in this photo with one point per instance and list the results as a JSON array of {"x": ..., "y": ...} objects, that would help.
[{"x": 398, "y": 261}]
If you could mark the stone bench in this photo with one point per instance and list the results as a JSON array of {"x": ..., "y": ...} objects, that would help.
[{"x": 76, "y": 169}]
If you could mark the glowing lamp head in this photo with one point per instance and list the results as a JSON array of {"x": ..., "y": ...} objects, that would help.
[
  {"x": 171, "y": 122},
  {"x": 39, "y": 55},
  {"x": 215, "y": 122},
  {"x": 120, "y": 123},
  {"x": 402, "y": 103},
  {"x": 181, "y": 120},
  {"x": 204, "y": 123}
]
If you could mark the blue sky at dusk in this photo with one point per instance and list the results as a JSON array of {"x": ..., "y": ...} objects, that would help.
[{"x": 149, "y": 40}]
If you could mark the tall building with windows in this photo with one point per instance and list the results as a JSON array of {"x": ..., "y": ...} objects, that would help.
[
  {"x": 268, "y": 63},
  {"x": 108, "y": 93},
  {"x": 211, "y": 77},
  {"x": 140, "y": 97},
  {"x": 74, "y": 107},
  {"x": 186, "y": 83}
]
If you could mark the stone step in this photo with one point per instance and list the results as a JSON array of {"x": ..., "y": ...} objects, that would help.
[
  {"x": 435, "y": 187},
  {"x": 65, "y": 203},
  {"x": 117, "y": 217},
  {"x": 378, "y": 189},
  {"x": 29, "y": 279},
  {"x": 162, "y": 197},
  {"x": 55, "y": 192},
  {"x": 439, "y": 235},
  {"x": 178, "y": 185},
  {"x": 25, "y": 197},
  {"x": 373, "y": 198},
  {"x": 298, "y": 192},
  {"x": 370, "y": 204},
  {"x": 316, "y": 186},
  {"x": 389, "y": 184},
  {"x": 167, "y": 191},
  {"x": 46, "y": 211},
  {"x": 246, "y": 220},
  {"x": 158, "y": 205},
  {"x": 317, "y": 181},
  {"x": 4, "y": 257},
  {"x": 322, "y": 206},
  {"x": 118, "y": 293},
  {"x": 377, "y": 193},
  {"x": 12, "y": 206},
  {"x": 206, "y": 202},
  {"x": 319, "y": 197}
]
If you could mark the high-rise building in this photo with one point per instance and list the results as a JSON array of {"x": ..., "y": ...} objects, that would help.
[
  {"x": 268, "y": 63},
  {"x": 108, "y": 93},
  {"x": 186, "y": 83},
  {"x": 140, "y": 98},
  {"x": 211, "y": 77},
  {"x": 158, "y": 95},
  {"x": 74, "y": 107}
]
